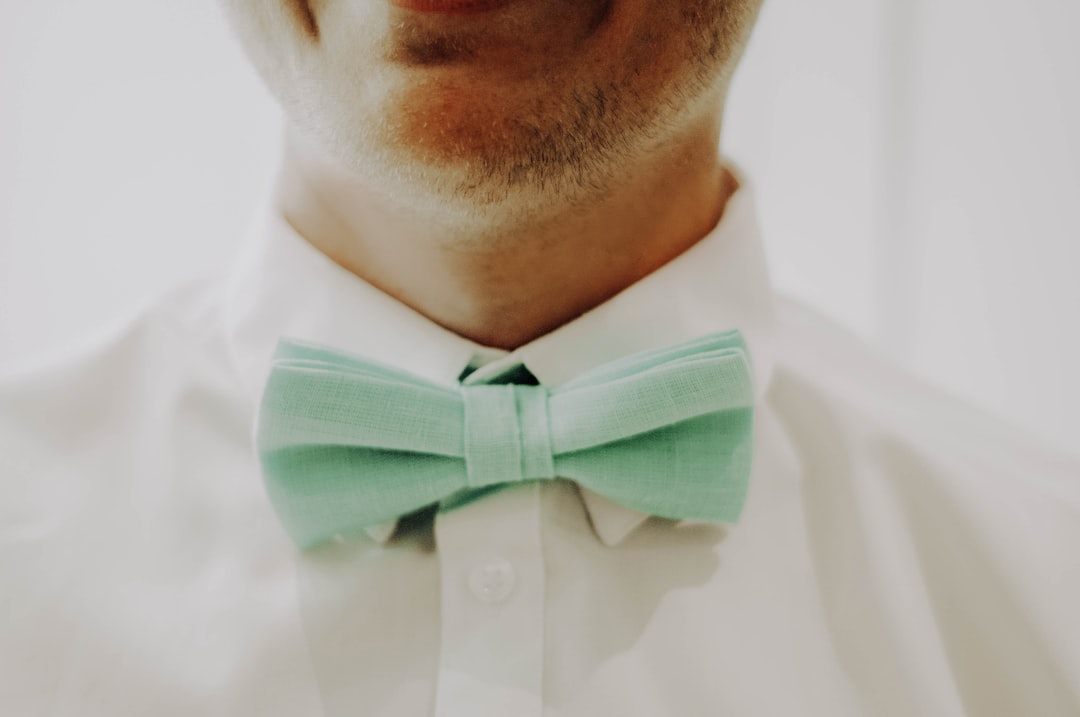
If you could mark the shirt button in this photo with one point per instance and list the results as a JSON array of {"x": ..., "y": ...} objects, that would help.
[{"x": 492, "y": 582}]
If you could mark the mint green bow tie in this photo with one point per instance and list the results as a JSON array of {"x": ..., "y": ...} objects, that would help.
[{"x": 347, "y": 443}]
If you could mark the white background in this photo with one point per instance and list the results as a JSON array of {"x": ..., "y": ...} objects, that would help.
[{"x": 917, "y": 165}]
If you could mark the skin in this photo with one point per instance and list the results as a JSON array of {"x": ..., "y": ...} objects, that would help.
[{"x": 501, "y": 172}]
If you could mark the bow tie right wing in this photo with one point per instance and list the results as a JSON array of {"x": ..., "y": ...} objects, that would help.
[{"x": 666, "y": 432}]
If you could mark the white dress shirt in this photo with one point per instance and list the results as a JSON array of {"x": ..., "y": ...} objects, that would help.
[{"x": 898, "y": 554}]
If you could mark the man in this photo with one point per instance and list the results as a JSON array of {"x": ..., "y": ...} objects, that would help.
[{"x": 204, "y": 512}]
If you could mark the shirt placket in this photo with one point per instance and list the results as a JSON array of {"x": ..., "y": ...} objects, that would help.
[{"x": 491, "y": 655}]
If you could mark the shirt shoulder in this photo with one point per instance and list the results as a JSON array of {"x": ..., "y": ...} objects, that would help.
[
  {"x": 98, "y": 388},
  {"x": 826, "y": 368},
  {"x": 952, "y": 522}
]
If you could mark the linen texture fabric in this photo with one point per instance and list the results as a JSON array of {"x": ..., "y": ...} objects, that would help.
[{"x": 347, "y": 443}]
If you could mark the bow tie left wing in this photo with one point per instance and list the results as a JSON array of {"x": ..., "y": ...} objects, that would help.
[{"x": 347, "y": 443}]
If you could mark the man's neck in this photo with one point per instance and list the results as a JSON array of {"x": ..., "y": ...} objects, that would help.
[{"x": 505, "y": 287}]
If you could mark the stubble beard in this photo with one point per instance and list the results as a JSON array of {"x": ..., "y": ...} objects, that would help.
[{"x": 548, "y": 154}]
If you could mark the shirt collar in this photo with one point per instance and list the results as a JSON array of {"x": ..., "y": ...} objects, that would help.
[{"x": 283, "y": 286}]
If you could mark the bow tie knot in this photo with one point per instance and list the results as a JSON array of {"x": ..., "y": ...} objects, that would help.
[{"x": 507, "y": 434}]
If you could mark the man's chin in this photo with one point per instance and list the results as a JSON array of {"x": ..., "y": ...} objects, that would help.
[
  {"x": 480, "y": 163},
  {"x": 472, "y": 191},
  {"x": 476, "y": 199}
]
